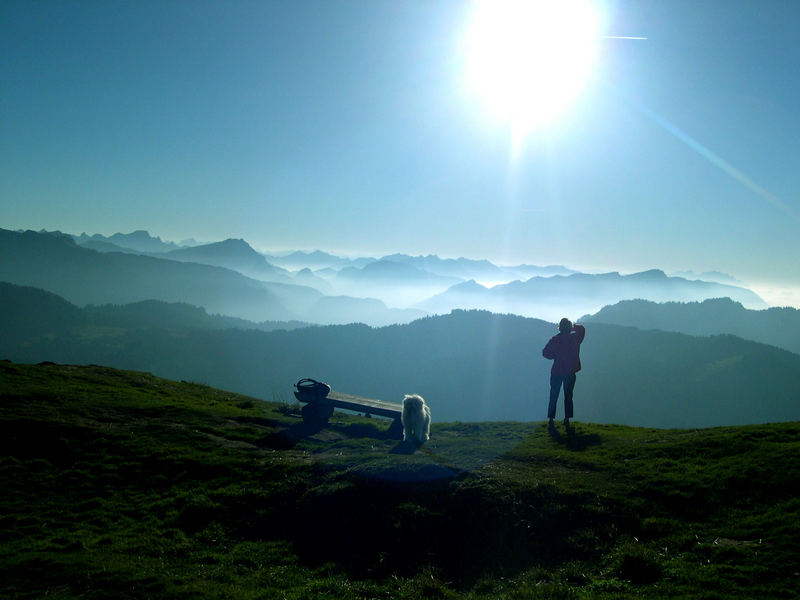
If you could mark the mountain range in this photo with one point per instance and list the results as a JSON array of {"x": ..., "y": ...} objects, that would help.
[
  {"x": 709, "y": 276},
  {"x": 29, "y": 313},
  {"x": 552, "y": 297},
  {"x": 232, "y": 278},
  {"x": 483, "y": 270},
  {"x": 236, "y": 255},
  {"x": 57, "y": 264},
  {"x": 469, "y": 365},
  {"x": 315, "y": 261},
  {"x": 136, "y": 241},
  {"x": 83, "y": 276},
  {"x": 775, "y": 326}
]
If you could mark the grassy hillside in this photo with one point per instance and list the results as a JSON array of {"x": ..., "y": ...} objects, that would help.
[{"x": 120, "y": 484}]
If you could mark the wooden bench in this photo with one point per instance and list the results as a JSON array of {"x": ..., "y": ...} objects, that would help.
[{"x": 319, "y": 407}]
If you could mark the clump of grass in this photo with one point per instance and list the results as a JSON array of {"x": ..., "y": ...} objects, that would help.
[{"x": 636, "y": 563}]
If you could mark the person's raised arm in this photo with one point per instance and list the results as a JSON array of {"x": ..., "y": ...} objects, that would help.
[{"x": 580, "y": 331}]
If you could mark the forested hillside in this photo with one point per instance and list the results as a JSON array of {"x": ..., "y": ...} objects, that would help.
[
  {"x": 470, "y": 365},
  {"x": 775, "y": 326}
]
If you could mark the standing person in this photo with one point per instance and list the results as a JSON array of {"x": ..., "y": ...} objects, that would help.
[{"x": 564, "y": 350}]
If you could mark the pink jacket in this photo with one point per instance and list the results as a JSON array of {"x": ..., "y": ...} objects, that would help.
[{"x": 564, "y": 350}]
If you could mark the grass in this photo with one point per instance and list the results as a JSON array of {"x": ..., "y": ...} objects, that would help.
[{"x": 120, "y": 484}]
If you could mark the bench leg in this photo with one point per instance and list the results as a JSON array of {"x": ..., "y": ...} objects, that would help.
[
  {"x": 315, "y": 413},
  {"x": 395, "y": 431}
]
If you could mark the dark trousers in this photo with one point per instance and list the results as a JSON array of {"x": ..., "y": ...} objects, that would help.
[{"x": 555, "y": 390}]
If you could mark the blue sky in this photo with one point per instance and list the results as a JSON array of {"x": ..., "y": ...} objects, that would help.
[{"x": 345, "y": 125}]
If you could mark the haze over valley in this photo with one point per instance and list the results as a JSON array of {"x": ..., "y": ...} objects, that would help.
[
  {"x": 662, "y": 351},
  {"x": 232, "y": 278}
]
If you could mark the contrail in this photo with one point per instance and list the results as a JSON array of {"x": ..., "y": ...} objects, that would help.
[
  {"x": 718, "y": 161},
  {"x": 705, "y": 152}
]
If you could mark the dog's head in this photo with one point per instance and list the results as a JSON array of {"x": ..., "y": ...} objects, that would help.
[{"x": 413, "y": 402}]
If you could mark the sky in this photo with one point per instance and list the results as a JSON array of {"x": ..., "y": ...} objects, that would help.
[{"x": 354, "y": 127}]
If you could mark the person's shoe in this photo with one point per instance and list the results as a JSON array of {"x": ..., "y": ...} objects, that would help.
[
  {"x": 567, "y": 426},
  {"x": 551, "y": 425}
]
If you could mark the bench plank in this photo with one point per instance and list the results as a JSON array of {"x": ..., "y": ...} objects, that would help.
[{"x": 355, "y": 403}]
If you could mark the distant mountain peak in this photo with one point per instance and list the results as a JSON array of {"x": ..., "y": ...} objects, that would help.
[
  {"x": 649, "y": 274},
  {"x": 229, "y": 247},
  {"x": 468, "y": 286},
  {"x": 138, "y": 241},
  {"x": 139, "y": 234},
  {"x": 238, "y": 243},
  {"x": 715, "y": 276}
]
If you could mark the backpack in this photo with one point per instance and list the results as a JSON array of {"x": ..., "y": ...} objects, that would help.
[{"x": 312, "y": 387}]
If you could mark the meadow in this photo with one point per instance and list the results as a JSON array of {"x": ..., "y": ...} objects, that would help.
[{"x": 121, "y": 484}]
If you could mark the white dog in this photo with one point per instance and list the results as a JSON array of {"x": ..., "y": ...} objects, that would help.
[{"x": 416, "y": 419}]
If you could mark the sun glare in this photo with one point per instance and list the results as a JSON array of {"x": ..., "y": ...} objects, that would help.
[{"x": 527, "y": 61}]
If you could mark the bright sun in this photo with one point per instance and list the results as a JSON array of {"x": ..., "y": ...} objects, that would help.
[{"x": 526, "y": 61}]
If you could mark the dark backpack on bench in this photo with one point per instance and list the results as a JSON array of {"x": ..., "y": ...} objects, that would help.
[{"x": 312, "y": 387}]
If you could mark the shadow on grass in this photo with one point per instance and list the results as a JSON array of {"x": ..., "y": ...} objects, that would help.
[
  {"x": 404, "y": 447},
  {"x": 261, "y": 421},
  {"x": 470, "y": 528},
  {"x": 574, "y": 439},
  {"x": 289, "y": 437},
  {"x": 362, "y": 430}
]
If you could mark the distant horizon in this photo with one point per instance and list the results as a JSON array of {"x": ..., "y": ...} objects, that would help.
[
  {"x": 351, "y": 253},
  {"x": 372, "y": 255},
  {"x": 775, "y": 296}
]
